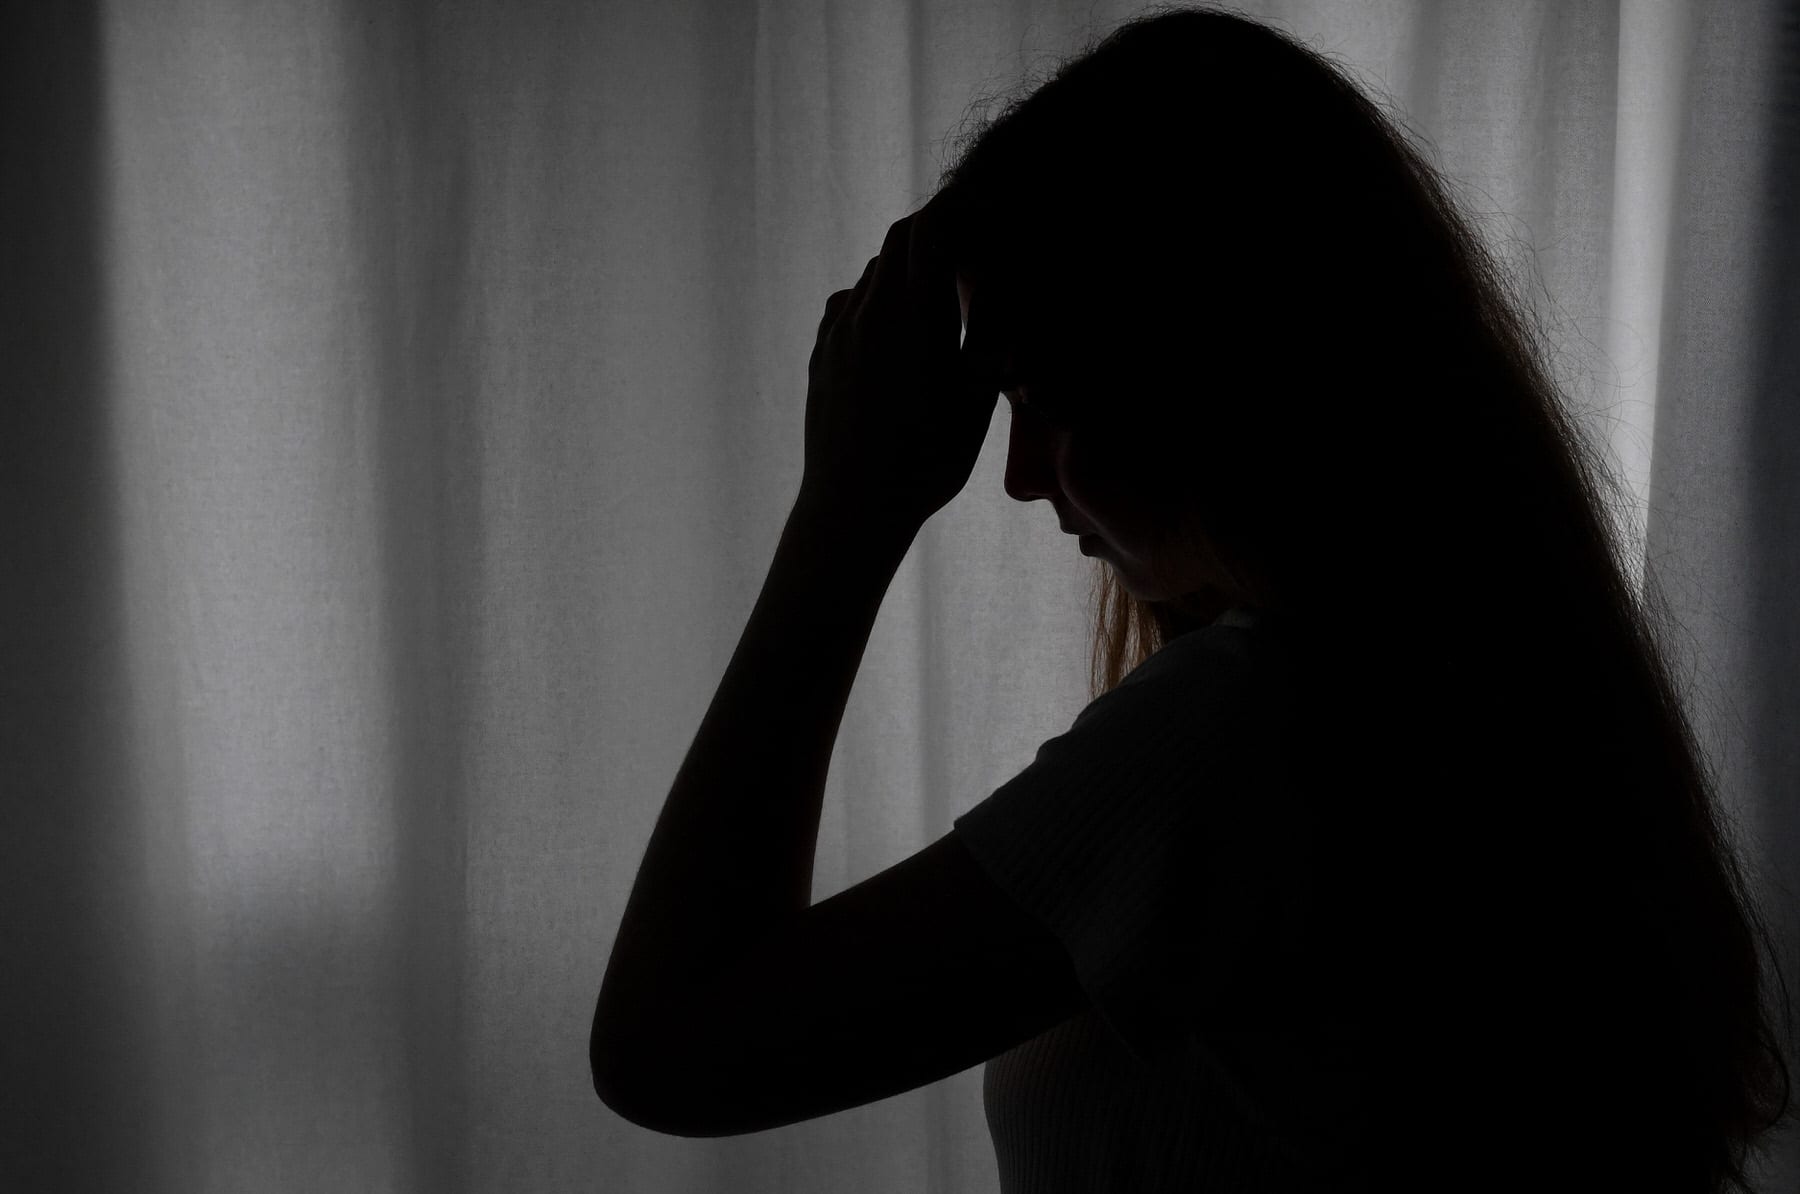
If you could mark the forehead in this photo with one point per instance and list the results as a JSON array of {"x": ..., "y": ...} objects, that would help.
[
  {"x": 1018, "y": 331},
  {"x": 997, "y": 306},
  {"x": 990, "y": 337}
]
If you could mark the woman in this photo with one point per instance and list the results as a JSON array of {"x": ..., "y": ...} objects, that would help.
[{"x": 1385, "y": 856}]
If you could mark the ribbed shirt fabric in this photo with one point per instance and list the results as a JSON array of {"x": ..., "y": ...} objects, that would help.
[{"x": 1159, "y": 839}]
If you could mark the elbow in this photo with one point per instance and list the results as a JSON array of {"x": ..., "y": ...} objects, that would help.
[
  {"x": 651, "y": 1086},
  {"x": 618, "y": 1099},
  {"x": 615, "y": 1047},
  {"x": 629, "y": 1100},
  {"x": 611, "y": 1066},
  {"x": 623, "y": 1078}
]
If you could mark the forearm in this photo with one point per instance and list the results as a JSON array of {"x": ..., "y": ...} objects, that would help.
[{"x": 732, "y": 852}]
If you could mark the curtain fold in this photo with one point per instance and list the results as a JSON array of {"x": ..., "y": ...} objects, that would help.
[{"x": 402, "y": 406}]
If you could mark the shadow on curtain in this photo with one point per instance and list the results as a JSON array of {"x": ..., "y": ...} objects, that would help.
[{"x": 69, "y": 1020}]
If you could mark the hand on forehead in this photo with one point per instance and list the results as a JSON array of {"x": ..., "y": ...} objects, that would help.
[{"x": 986, "y": 347}]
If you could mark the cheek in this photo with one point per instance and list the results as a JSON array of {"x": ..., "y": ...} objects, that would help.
[{"x": 1097, "y": 478}]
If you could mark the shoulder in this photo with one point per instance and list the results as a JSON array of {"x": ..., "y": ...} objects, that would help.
[{"x": 1221, "y": 654}]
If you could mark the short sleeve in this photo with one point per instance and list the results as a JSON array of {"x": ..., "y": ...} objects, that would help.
[{"x": 1134, "y": 836}]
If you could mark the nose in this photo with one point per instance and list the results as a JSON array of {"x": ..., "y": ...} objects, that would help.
[{"x": 1031, "y": 451}]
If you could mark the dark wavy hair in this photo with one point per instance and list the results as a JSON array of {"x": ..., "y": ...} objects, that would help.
[{"x": 1213, "y": 253}]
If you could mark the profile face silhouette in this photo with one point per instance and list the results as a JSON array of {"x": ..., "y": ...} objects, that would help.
[{"x": 1088, "y": 468}]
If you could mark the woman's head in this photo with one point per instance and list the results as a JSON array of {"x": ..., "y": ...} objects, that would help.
[
  {"x": 1094, "y": 477},
  {"x": 1201, "y": 240},
  {"x": 1253, "y": 344}
]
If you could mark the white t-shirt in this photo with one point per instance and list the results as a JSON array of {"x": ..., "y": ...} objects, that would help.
[{"x": 1160, "y": 840}]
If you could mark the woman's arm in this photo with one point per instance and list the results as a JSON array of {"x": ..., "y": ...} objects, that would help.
[{"x": 732, "y": 853}]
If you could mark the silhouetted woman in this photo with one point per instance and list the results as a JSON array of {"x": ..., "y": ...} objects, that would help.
[{"x": 1385, "y": 857}]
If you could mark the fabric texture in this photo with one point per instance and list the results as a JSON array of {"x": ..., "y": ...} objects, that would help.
[
  {"x": 402, "y": 403},
  {"x": 1162, "y": 841},
  {"x": 1114, "y": 835}
]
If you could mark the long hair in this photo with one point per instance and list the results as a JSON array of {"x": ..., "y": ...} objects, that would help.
[{"x": 1214, "y": 252}]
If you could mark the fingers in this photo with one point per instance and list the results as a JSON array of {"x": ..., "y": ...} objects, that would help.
[
  {"x": 889, "y": 268},
  {"x": 987, "y": 357},
  {"x": 840, "y": 302},
  {"x": 834, "y": 305},
  {"x": 933, "y": 278},
  {"x": 912, "y": 272},
  {"x": 928, "y": 260},
  {"x": 921, "y": 254}
]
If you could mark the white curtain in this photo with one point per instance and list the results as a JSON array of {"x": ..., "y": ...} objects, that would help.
[{"x": 402, "y": 406}]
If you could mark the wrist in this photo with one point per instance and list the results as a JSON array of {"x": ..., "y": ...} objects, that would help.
[{"x": 845, "y": 525}]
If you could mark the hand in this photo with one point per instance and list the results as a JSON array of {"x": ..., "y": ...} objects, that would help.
[{"x": 895, "y": 412}]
